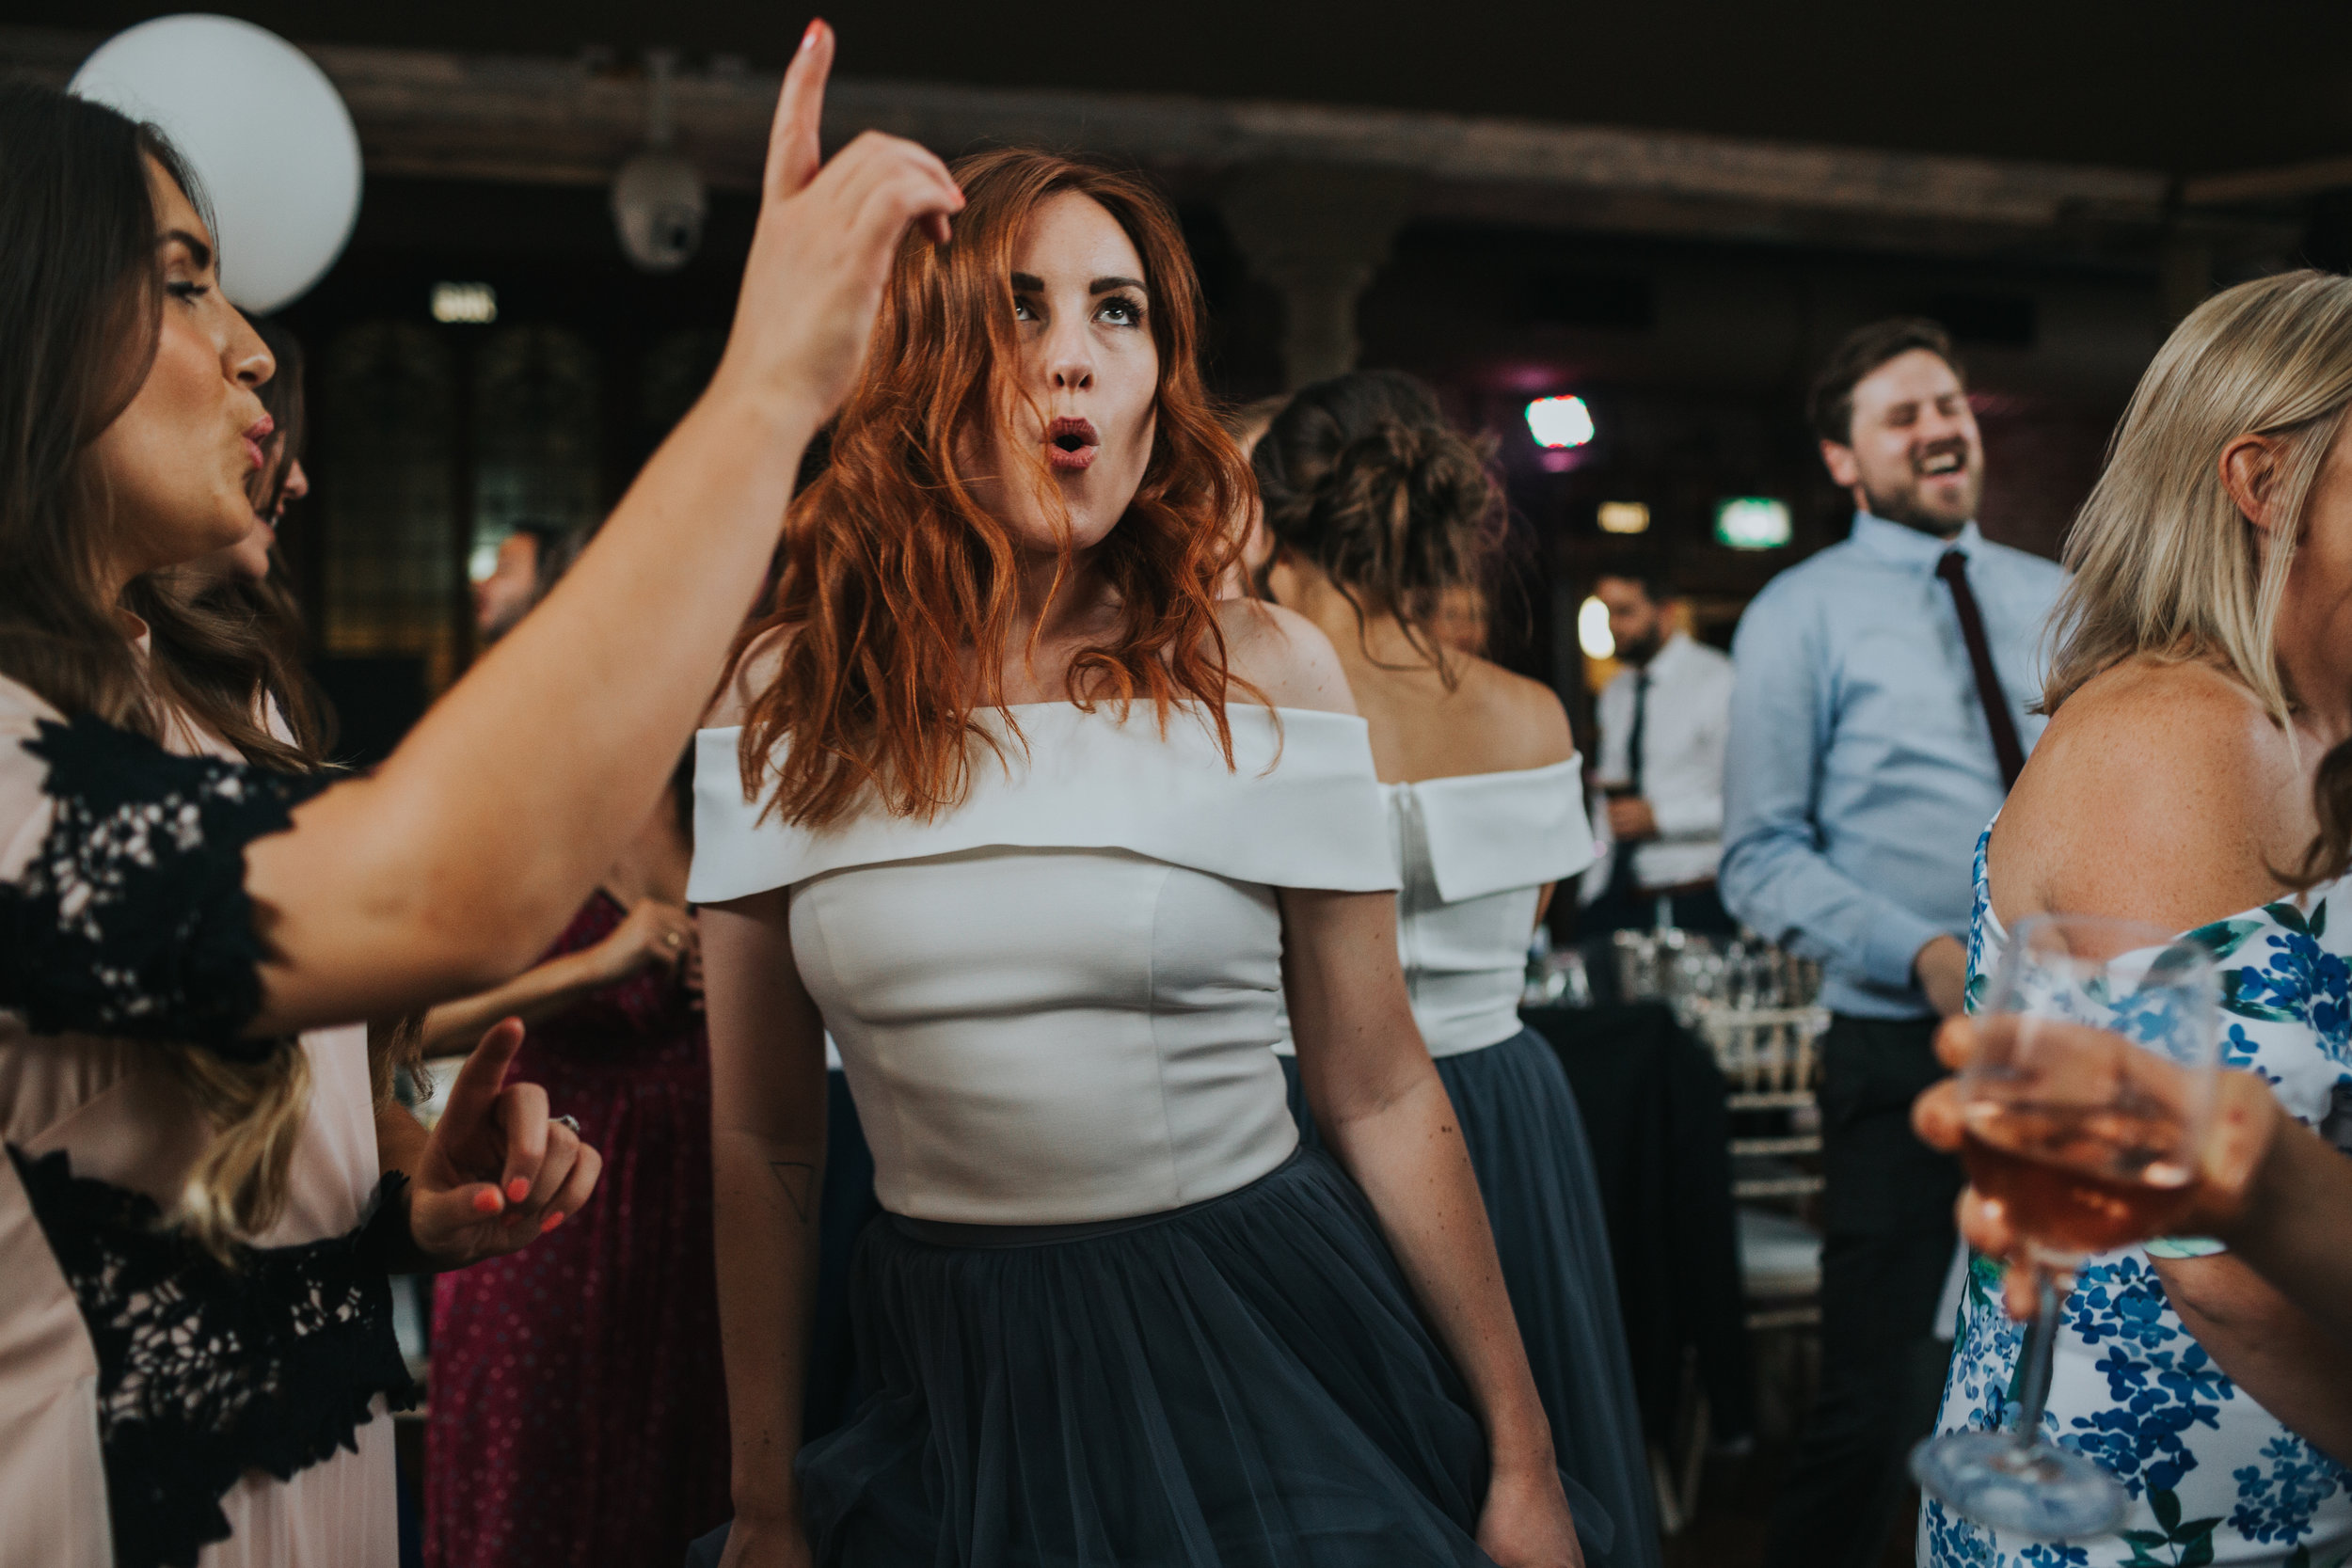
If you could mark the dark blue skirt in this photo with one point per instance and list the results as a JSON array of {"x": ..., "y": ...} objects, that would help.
[
  {"x": 1242, "y": 1383},
  {"x": 1535, "y": 1170}
]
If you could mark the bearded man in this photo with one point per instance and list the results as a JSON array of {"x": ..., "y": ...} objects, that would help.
[{"x": 1879, "y": 717}]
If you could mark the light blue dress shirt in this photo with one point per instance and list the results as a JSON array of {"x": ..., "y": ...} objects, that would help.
[{"x": 1861, "y": 769}]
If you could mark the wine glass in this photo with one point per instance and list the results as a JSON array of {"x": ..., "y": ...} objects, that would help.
[{"x": 2085, "y": 1110}]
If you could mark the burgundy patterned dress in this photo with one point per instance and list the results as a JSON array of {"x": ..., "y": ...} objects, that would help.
[{"x": 578, "y": 1407}]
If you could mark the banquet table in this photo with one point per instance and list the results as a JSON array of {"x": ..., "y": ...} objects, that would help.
[{"x": 1656, "y": 1117}]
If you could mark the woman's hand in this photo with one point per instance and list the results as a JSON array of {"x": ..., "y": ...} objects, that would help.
[
  {"x": 497, "y": 1173},
  {"x": 654, "y": 933},
  {"x": 823, "y": 248},
  {"x": 1526, "y": 1523},
  {"x": 2246, "y": 1122}
]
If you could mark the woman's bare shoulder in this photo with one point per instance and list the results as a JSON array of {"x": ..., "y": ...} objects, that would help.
[
  {"x": 2161, "y": 791},
  {"x": 2172, "y": 734},
  {"x": 1283, "y": 655},
  {"x": 1524, "y": 716}
]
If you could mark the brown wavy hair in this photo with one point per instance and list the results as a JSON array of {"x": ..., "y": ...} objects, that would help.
[
  {"x": 1362, "y": 476},
  {"x": 892, "y": 569},
  {"x": 80, "y": 300}
]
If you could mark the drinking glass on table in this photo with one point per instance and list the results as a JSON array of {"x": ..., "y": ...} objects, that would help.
[{"x": 2085, "y": 1112}]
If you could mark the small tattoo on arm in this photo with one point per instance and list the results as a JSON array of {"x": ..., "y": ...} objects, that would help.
[{"x": 797, "y": 1181}]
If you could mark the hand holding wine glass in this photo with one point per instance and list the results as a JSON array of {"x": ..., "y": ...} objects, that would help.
[
  {"x": 2246, "y": 1133},
  {"x": 2083, "y": 1112}
]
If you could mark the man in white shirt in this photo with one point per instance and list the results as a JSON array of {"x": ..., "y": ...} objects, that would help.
[{"x": 1665, "y": 723}]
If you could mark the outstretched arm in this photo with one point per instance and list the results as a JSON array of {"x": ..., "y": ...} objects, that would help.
[
  {"x": 654, "y": 933},
  {"x": 450, "y": 868}
]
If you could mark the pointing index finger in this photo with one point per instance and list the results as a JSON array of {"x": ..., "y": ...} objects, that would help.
[
  {"x": 476, "y": 1086},
  {"x": 793, "y": 147}
]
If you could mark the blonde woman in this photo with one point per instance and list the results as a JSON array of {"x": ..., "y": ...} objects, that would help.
[{"x": 2203, "y": 669}]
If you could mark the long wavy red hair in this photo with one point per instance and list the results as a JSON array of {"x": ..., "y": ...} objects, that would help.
[{"x": 892, "y": 571}]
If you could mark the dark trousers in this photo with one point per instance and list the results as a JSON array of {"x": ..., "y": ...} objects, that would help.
[{"x": 1886, "y": 1248}]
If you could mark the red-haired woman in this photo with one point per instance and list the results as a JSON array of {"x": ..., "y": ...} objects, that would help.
[{"x": 1043, "y": 832}]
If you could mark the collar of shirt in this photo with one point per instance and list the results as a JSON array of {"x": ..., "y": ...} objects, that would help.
[
  {"x": 1668, "y": 658},
  {"x": 1897, "y": 542}
]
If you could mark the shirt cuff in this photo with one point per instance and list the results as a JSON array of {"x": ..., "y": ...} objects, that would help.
[{"x": 1895, "y": 940}]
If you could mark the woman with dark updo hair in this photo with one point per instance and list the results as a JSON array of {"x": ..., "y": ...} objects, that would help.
[{"x": 1382, "y": 520}]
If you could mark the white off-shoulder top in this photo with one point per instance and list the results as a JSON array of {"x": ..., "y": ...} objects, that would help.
[
  {"x": 1054, "y": 1001},
  {"x": 1471, "y": 855}
]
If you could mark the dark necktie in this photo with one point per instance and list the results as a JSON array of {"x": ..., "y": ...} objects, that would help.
[
  {"x": 1634, "y": 736},
  {"x": 1953, "y": 569},
  {"x": 1621, "y": 868}
]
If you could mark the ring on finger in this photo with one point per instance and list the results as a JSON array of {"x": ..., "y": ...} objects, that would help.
[{"x": 572, "y": 1122}]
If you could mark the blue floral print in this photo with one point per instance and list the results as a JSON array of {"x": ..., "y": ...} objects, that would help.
[
  {"x": 2277, "y": 1503},
  {"x": 2213, "y": 1477}
]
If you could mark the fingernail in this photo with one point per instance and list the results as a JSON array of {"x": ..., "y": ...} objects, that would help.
[
  {"x": 808, "y": 38},
  {"x": 517, "y": 1190},
  {"x": 487, "y": 1202},
  {"x": 549, "y": 1222}
]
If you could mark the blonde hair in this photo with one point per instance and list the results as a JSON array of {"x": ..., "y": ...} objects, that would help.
[
  {"x": 2161, "y": 560},
  {"x": 237, "y": 1187}
]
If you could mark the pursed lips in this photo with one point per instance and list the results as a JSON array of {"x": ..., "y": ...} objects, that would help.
[
  {"x": 1071, "y": 444},
  {"x": 255, "y": 434}
]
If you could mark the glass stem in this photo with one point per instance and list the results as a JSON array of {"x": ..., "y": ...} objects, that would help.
[{"x": 2033, "y": 1388}]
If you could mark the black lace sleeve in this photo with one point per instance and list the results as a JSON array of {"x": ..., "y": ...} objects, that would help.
[
  {"x": 207, "y": 1368},
  {"x": 132, "y": 917}
]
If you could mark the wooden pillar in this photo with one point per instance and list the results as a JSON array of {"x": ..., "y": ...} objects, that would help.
[{"x": 1318, "y": 233}]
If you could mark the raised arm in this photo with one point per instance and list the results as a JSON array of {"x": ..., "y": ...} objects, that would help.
[{"x": 450, "y": 868}]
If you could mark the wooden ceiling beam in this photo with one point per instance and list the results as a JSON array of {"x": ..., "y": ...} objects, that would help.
[{"x": 536, "y": 119}]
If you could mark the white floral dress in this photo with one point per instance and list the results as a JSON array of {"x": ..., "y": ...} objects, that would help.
[{"x": 2213, "y": 1477}]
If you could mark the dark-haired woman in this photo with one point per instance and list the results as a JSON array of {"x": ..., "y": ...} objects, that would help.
[
  {"x": 194, "y": 1339},
  {"x": 1042, "y": 830},
  {"x": 1380, "y": 519},
  {"x": 244, "y": 629}
]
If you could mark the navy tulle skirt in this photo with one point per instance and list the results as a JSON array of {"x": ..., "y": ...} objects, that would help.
[
  {"x": 1535, "y": 1170},
  {"x": 1241, "y": 1384}
]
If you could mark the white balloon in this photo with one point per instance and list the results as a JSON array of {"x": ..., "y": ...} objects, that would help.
[{"x": 264, "y": 130}]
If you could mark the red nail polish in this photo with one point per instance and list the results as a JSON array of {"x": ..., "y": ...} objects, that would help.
[
  {"x": 517, "y": 1190},
  {"x": 485, "y": 1202},
  {"x": 808, "y": 38},
  {"x": 550, "y": 1223}
]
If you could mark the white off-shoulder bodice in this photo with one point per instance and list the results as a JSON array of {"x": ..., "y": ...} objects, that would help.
[
  {"x": 1054, "y": 1001},
  {"x": 1470, "y": 855}
]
